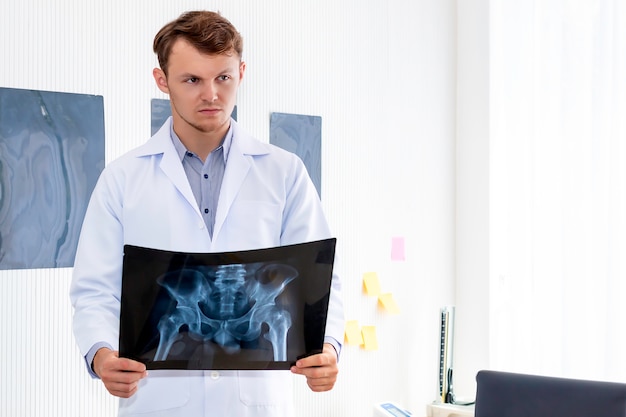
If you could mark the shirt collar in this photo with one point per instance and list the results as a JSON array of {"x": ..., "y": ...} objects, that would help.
[{"x": 181, "y": 150}]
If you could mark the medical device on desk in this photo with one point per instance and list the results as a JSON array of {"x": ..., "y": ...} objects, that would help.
[
  {"x": 446, "y": 349},
  {"x": 446, "y": 353},
  {"x": 390, "y": 410}
]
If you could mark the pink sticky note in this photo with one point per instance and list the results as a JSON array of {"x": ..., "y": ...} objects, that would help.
[{"x": 397, "y": 249}]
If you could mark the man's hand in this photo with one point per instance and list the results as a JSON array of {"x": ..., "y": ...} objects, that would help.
[
  {"x": 320, "y": 370},
  {"x": 120, "y": 376}
]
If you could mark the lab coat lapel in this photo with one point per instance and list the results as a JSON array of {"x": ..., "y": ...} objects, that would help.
[
  {"x": 173, "y": 169},
  {"x": 161, "y": 143},
  {"x": 240, "y": 157},
  {"x": 237, "y": 168}
]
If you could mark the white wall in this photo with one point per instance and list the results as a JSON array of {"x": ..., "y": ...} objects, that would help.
[
  {"x": 382, "y": 77},
  {"x": 473, "y": 160}
]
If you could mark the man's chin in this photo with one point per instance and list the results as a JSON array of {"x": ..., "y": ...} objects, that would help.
[{"x": 211, "y": 126}]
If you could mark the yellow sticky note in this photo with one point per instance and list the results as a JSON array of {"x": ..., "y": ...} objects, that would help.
[
  {"x": 371, "y": 285},
  {"x": 369, "y": 338},
  {"x": 353, "y": 334},
  {"x": 387, "y": 302}
]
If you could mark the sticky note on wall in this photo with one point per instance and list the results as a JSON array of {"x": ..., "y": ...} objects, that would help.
[
  {"x": 369, "y": 338},
  {"x": 387, "y": 302},
  {"x": 353, "y": 334},
  {"x": 371, "y": 285},
  {"x": 397, "y": 249}
]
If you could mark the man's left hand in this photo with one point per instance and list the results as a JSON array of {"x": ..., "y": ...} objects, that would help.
[{"x": 320, "y": 369}]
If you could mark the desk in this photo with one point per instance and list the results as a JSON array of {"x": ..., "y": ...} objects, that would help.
[{"x": 449, "y": 410}]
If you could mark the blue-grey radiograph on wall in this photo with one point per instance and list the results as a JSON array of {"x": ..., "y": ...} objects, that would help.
[
  {"x": 51, "y": 154},
  {"x": 161, "y": 110},
  {"x": 301, "y": 135}
]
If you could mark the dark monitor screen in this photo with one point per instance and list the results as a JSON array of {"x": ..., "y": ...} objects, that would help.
[{"x": 504, "y": 394}]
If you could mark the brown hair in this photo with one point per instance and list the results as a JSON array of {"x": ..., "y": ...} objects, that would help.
[{"x": 208, "y": 32}]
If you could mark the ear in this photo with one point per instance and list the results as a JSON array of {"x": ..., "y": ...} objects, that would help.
[
  {"x": 161, "y": 80},
  {"x": 242, "y": 70}
]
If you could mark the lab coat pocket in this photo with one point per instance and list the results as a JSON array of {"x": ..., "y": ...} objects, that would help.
[
  {"x": 162, "y": 390},
  {"x": 265, "y": 388}
]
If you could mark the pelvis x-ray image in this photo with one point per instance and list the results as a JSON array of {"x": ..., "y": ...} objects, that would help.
[
  {"x": 239, "y": 310},
  {"x": 221, "y": 305}
]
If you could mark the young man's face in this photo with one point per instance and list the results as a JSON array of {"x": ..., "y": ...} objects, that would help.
[{"x": 202, "y": 89}]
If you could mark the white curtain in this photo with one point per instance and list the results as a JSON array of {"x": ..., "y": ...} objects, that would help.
[{"x": 558, "y": 187}]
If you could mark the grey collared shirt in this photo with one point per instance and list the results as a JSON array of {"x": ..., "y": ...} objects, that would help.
[{"x": 205, "y": 178}]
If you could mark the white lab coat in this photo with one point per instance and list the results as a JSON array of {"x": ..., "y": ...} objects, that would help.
[{"x": 144, "y": 199}]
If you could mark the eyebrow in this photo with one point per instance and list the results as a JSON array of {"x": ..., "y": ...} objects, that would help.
[
  {"x": 188, "y": 75},
  {"x": 224, "y": 71}
]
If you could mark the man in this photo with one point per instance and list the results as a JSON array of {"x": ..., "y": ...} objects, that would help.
[{"x": 200, "y": 184}]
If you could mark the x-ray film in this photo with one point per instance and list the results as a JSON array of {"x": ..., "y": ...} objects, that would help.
[{"x": 258, "y": 309}]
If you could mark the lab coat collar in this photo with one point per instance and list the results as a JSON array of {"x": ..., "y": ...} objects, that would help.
[
  {"x": 243, "y": 148},
  {"x": 161, "y": 142}
]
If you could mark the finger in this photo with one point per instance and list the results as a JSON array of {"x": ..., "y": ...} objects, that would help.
[
  {"x": 122, "y": 384},
  {"x": 129, "y": 365},
  {"x": 122, "y": 390},
  {"x": 328, "y": 356},
  {"x": 321, "y": 380},
  {"x": 318, "y": 375},
  {"x": 321, "y": 384},
  {"x": 114, "y": 363},
  {"x": 124, "y": 377},
  {"x": 319, "y": 359}
]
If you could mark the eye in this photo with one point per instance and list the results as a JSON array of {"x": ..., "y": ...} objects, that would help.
[
  {"x": 192, "y": 80},
  {"x": 224, "y": 77}
]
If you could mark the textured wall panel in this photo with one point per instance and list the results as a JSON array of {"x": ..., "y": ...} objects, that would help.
[{"x": 380, "y": 75}]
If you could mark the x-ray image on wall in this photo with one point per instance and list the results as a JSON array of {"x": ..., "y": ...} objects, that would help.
[
  {"x": 260, "y": 309},
  {"x": 161, "y": 110},
  {"x": 301, "y": 135},
  {"x": 51, "y": 154}
]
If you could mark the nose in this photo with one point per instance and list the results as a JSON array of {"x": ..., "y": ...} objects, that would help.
[{"x": 209, "y": 93}]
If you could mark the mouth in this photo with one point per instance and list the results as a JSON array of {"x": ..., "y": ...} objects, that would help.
[{"x": 209, "y": 111}]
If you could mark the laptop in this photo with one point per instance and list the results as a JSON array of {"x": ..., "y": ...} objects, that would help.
[{"x": 504, "y": 394}]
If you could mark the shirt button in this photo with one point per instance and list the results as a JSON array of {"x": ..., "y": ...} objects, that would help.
[
  {"x": 215, "y": 375},
  {"x": 206, "y": 211},
  {"x": 206, "y": 176},
  {"x": 189, "y": 154}
]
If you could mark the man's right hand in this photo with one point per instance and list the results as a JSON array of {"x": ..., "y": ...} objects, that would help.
[{"x": 121, "y": 376}]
